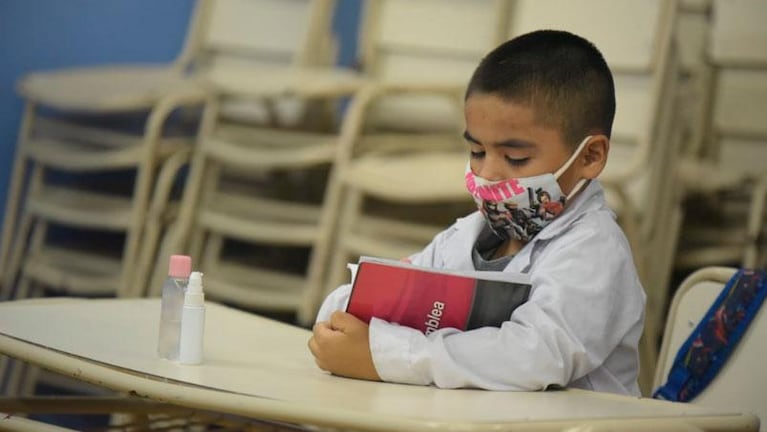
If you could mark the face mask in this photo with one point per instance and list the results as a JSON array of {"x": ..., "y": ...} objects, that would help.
[{"x": 520, "y": 208}]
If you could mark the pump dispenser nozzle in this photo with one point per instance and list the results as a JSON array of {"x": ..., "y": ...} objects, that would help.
[
  {"x": 192, "y": 322},
  {"x": 194, "y": 295}
]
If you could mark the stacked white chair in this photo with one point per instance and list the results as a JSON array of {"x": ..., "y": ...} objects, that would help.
[
  {"x": 224, "y": 38},
  {"x": 729, "y": 177},
  {"x": 399, "y": 169},
  {"x": 74, "y": 127},
  {"x": 637, "y": 42},
  {"x": 251, "y": 206}
]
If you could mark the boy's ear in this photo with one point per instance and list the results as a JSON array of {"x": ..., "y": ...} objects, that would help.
[{"x": 594, "y": 156}]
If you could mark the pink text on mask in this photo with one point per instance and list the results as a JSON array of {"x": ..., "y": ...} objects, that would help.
[{"x": 494, "y": 192}]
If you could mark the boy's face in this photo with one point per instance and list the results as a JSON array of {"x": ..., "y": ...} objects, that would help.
[{"x": 506, "y": 142}]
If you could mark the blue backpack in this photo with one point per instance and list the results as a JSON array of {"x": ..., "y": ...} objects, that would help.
[{"x": 706, "y": 350}]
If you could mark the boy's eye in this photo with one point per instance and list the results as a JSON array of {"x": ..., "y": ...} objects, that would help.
[
  {"x": 477, "y": 154},
  {"x": 516, "y": 161}
]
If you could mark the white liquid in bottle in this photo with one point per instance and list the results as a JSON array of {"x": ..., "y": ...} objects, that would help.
[{"x": 192, "y": 322}]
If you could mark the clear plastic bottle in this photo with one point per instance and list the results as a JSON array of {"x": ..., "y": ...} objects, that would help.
[
  {"x": 179, "y": 268},
  {"x": 192, "y": 322}
]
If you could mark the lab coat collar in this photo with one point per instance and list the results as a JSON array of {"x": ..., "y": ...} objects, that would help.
[
  {"x": 589, "y": 199},
  {"x": 468, "y": 228}
]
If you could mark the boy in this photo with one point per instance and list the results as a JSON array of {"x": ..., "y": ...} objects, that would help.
[{"x": 539, "y": 112}]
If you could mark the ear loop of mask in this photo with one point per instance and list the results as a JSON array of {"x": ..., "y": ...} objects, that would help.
[{"x": 567, "y": 164}]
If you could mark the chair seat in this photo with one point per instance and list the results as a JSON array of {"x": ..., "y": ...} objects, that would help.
[
  {"x": 264, "y": 219},
  {"x": 48, "y": 128},
  {"x": 252, "y": 287},
  {"x": 708, "y": 256},
  {"x": 266, "y": 81},
  {"x": 699, "y": 177},
  {"x": 388, "y": 238},
  {"x": 107, "y": 88},
  {"x": 413, "y": 178},
  {"x": 78, "y": 156},
  {"x": 270, "y": 148},
  {"x": 75, "y": 272},
  {"x": 81, "y": 208}
]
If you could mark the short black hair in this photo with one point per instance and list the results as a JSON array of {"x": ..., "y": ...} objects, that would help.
[{"x": 562, "y": 77}]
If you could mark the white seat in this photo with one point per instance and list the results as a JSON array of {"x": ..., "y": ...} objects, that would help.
[{"x": 739, "y": 383}]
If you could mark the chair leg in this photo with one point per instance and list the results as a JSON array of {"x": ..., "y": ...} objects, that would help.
[
  {"x": 648, "y": 344},
  {"x": 18, "y": 378},
  {"x": 19, "y": 251},
  {"x": 14, "y": 198},
  {"x": 156, "y": 214},
  {"x": 199, "y": 236},
  {"x": 37, "y": 238},
  {"x": 5, "y": 366},
  {"x": 319, "y": 257},
  {"x": 174, "y": 240},
  {"x": 755, "y": 224},
  {"x": 131, "y": 284},
  {"x": 19, "y": 247},
  {"x": 337, "y": 269},
  {"x": 134, "y": 232},
  {"x": 28, "y": 380},
  {"x": 210, "y": 255}
]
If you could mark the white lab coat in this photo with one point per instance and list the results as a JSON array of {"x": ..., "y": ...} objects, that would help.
[{"x": 580, "y": 327}]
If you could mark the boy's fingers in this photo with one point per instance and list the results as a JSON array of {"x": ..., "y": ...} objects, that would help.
[
  {"x": 314, "y": 348},
  {"x": 340, "y": 321},
  {"x": 322, "y": 329},
  {"x": 312, "y": 344}
]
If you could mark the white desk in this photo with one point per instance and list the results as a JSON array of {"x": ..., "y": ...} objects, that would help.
[{"x": 261, "y": 368}]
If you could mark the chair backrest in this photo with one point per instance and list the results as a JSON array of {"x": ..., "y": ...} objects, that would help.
[
  {"x": 740, "y": 383},
  {"x": 232, "y": 33},
  {"x": 426, "y": 42},
  {"x": 737, "y": 50},
  {"x": 633, "y": 38},
  {"x": 233, "y": 43}
]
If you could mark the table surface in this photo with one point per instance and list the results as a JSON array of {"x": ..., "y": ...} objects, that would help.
[{"x": 261, "y": 368}]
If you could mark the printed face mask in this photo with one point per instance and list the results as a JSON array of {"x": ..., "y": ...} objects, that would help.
[{"x": 520, "y": 208}]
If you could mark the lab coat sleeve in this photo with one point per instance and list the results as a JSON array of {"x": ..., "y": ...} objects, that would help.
[
  {"x": 335, "y": 301},
  {"x": 584, "y": 301}
]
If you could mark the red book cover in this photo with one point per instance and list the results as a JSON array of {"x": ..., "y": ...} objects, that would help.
[{"x": 428, "y": 299}]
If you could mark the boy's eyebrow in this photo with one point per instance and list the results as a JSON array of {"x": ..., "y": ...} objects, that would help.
[
  {"x": 511, "y": 143},
  {"x": 467, "y": 136}
]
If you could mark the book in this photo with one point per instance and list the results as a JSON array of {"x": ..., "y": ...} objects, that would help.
[{"x": 429, "y": 299}]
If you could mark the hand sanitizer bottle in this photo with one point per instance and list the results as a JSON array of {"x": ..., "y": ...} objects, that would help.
[
  {"x": 192, "y": 322},
  {"x": 179, "y": 268}
]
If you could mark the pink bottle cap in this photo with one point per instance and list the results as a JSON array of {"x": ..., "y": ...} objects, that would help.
[{"x": 180, "y": 266}]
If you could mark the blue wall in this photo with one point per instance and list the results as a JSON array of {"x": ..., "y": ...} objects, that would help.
[{"x": 50, "y": 34}]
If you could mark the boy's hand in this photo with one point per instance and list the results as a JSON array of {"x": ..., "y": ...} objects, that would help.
[{"x": 341, "y": 346}]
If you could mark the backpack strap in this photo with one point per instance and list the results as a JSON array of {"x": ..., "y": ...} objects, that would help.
[{"x": 706, "y": 350}]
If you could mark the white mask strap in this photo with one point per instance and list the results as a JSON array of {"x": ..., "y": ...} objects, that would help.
[
  {"x": 572, "y": 158},
  {"x": 578, "y": 186}
]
